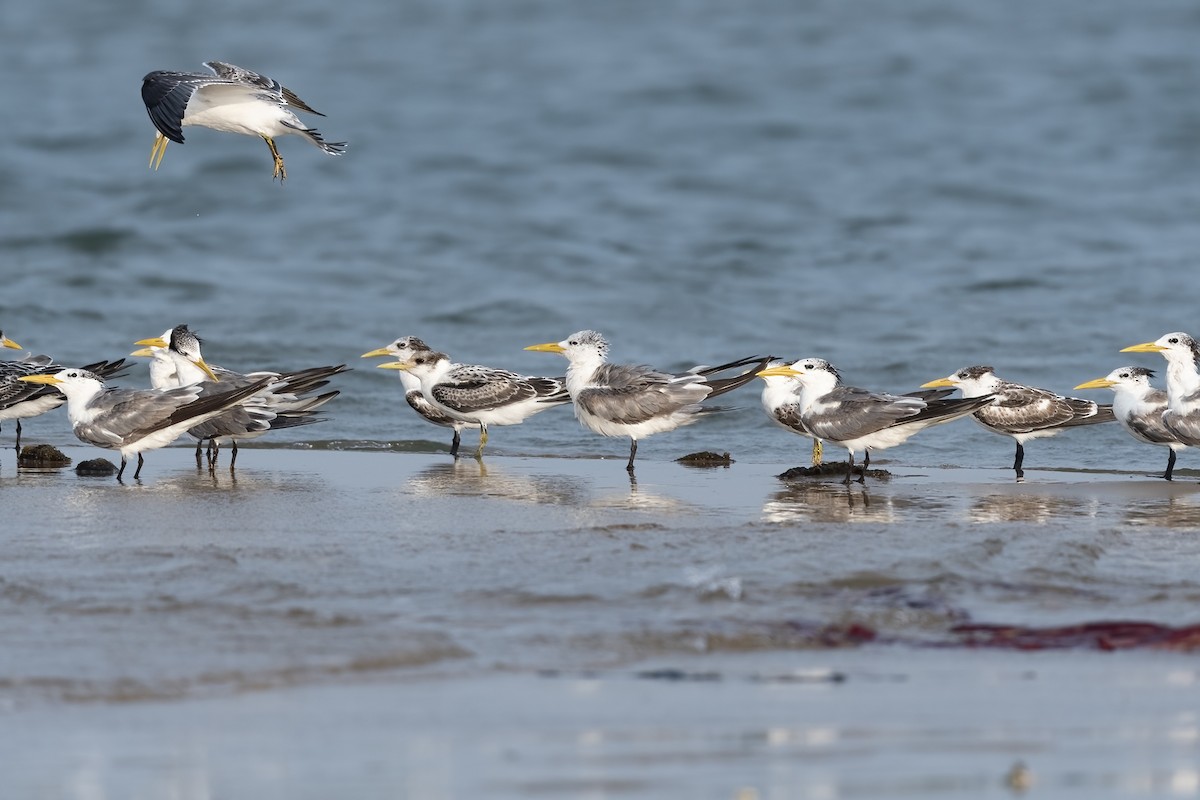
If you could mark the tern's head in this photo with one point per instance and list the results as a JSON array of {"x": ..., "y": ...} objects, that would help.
[
  {"x": 1137, "y": 378},
  {"x": 7, "y": 342},
  {"x": 423, "y": 364},
  {"x": 578, "y": 347},
  {"x": 1175, "y": 347},
  {"x": 816, "y": 373},
  {"x": 181, "y": 342},
  {"x": 69, "y": 381},
  {"x": 402, "y": 349},
  {"x": 973, "y": 381}
]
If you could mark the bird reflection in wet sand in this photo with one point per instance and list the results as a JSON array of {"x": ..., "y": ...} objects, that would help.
[
  {"x": 823, "y": 502},
  {"x": 1036, "y": 508},
  {"x": 473, "y": 478},
  {"x": 1176, "y": 511}
]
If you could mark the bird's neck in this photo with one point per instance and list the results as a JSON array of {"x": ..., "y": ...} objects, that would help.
[
  {"x": 1182, "y": 380},
  {"x": 581, "y": 371}
]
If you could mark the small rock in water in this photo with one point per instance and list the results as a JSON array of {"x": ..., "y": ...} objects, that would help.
[
  {"x": 42, "y": 455},
  {"x": 96, "y": 466},
  {"x": 705, "y": 459}
]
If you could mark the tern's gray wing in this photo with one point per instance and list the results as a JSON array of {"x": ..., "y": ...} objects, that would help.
[
  {"x": 857, "y": 412},
  {"x": 469, "y": 388},
  {"x": 1151, "y": 429},
  {"x": 633, "y": 394},
  {"x": 1184, "y": 427},
  {"x": 262, "y": 82},
  {"x": 126, "y": 414}
]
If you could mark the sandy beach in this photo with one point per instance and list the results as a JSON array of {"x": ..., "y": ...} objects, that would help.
[{"x": 386, "y": 624}]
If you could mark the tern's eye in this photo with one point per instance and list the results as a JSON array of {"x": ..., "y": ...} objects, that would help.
[
  {"x": 1124, "y": 375},
  {"x": 1173, "y": 340}
]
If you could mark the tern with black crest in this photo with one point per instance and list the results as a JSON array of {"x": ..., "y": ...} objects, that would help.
[{"x": 1022, "y": 412}]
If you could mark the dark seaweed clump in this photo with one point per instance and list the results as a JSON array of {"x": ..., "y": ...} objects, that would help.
[
  {"x": 705, "y": 459},
  {"x": 96, "y": 466},
  {"x": 42, "y": 455}
]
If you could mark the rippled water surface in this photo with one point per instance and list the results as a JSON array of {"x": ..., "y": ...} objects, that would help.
[{"x": 902, "y": 188}]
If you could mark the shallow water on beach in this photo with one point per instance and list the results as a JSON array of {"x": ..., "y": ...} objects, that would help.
[{"x": 902, "y": 188}]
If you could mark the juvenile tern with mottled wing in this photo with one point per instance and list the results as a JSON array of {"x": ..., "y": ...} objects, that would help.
[
  {"x": 1022, "y": 412},
  {"x": 638, "y": 401},
  {"x": 808, "y": 397},
  {"x": 1181, "y": 351},
  {"x": 231, "y": 99},
  {"x": 286, "y": 402},
  {"x": 403, "y": 349},
  {"x": 22, "y": 400},
  {"x": 1138, "y": 407},
  {"x": 480, "y": 395},
  {"x": 132, "y": 420}
]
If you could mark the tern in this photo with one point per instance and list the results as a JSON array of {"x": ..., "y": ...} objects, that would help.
[
  {"x": 231, "y": 99},
  {"x": 1138, "y": 407},
  {"x": 403, "y": 349},
  {"x": 1182, "y": 415},
  {"x": 1022, "y": 412},
  {"x": 478, "y": 395},
  {"x": 639, "y": 401}
]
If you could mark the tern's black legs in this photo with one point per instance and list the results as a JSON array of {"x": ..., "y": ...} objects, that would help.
[
  {"x": 862, "y": 471},
  {"x": 1170, "y": 465},
  {"x": 1018, "y": 461},
  {"x": 18, "y": 437},
  {"x": 232, "y": 454},
  {"x": 632, "y": 454},
  {"x": 454, "y": 444},
  {"x": 136, "y": 472}
]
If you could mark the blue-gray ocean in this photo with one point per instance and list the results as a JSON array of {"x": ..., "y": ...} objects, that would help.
[{"x": 901, "y": 188}]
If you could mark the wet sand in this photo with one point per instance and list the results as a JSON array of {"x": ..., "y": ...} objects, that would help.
[{"x": 379, "y": 624}]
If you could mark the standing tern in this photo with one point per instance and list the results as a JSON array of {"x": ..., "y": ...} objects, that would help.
[
  {"x": 479, "y": 395},
  {"x": 231, "y": 99},
  {"x": 1139, "y": 408},
  {"x": 1182, "y": 416},
  {"x": 286, "y": 402},
  {"x": 1022, "y": 412},
  {"x": 808, "y": 397},
  {"x": 638, "y": 401},
  {"x": 403, "y": 349},
  {"x": 133, "y": 420}
]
